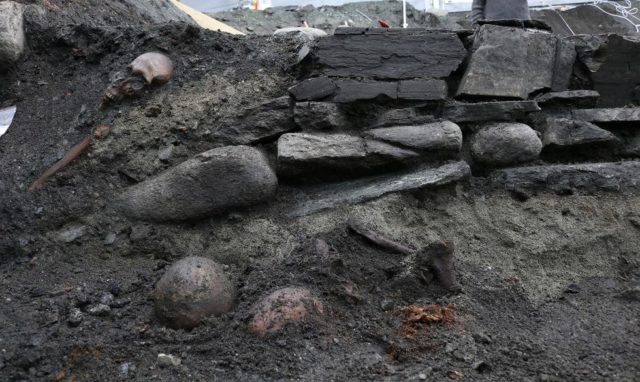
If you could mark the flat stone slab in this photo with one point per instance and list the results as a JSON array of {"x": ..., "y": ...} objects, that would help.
[
  {"x": 631, "y": 114},
  {"x": 403, "y": 117},
  {"x": 443, "y": 137},
  {"x": 304, "y": 156},
  {"x": 422, "y": 90},
  {"x": 389, "y": 54},
  {"x": 510, "y": 63},
  {"x": 570, "y": 98},
  {"x": 362, "y": 190},
  {"x": 590, "y": 177},
  {"x": 354, "y": 90},
  {"x": 312, "y": 89},
  {"x": 489, "y": 111},
  {"x": 564, "y": 132}
]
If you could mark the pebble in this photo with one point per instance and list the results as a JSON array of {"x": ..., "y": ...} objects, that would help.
[
  {"x": 75, "y": 317},
  {"x": 99, "y": 310},
  {"x": 165, "y": 153},
  {"x": 110, "y": 238},
  {"x": 482, "y": 338},
  {"x": 422, "y": 376},
  {"x": 127, "y": 368},
  {"x": 168, "y": 360}
]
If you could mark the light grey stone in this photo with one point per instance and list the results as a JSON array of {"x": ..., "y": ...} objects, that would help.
[
  {"x": 622, "y": 114},
  {"x": 12, "y": 37},
  {"x": 307, "y": 34},
  {"x": 505, "y": 143},
  {"x": 214, "y": 182},
  {"x": 444, "y": 137},
  {"x": 575, "y": 98}
]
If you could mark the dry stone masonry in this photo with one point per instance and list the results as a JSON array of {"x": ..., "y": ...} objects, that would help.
[{"x": 390, "y": 110}]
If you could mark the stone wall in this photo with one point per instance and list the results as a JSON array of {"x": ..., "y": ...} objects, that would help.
[{"x": 388, "y": 110}]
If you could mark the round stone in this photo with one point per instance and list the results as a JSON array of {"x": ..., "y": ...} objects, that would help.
[
  {"x": 190, "y": 290},
  {"x": 503, "y": 144},
  {"x": 284, "y": 306}
]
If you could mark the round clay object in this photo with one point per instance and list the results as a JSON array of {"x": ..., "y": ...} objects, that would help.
[{"x": 190, "y": 290}]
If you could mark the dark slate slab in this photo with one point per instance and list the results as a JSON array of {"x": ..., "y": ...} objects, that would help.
[
  {"x": 509, "y": 63},
  {"x": 565, "y": 59},
  {"x": 422, "y": 90},
  {"x": 313, "y": 89},
  {"x": 403, "y": 117},
  {"x": 354, "y": 90},
  {"x": 362, "y": 190},
  {"x": 533, "y": 24},
  {"x": 590, "y": 177},
  {"x": 564, "y": 132},
  {"x": 489, "y": 111},
  {"x": 570, "y": 98},
  {"x": 614, "y": 115},
  {"x": 390, "y": 53},
  {"x": 619, "y": 75}
]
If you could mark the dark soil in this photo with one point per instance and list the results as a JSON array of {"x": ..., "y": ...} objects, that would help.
[{"x": 549, "y": 284}]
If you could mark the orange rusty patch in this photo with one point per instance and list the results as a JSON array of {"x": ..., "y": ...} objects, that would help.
[{"x": 417, "y": 317}]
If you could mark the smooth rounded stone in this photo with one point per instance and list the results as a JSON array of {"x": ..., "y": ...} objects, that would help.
[
  {"x": 505, "y": 143},
  {"x": 308, "y": 34},
  {"x": 437, "y": 136},
  {"x": 191, "y": 289},
  {"x": 284, "y": 306},
  {"x": 12, "y": 37},
  {"x": 212, "y": 183}
]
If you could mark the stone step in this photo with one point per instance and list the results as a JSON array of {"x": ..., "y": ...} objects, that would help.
[{"x": 330, "y": 196}]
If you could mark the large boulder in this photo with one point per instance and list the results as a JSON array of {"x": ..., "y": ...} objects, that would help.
[
  {"x": 438, "y": 137},
  {"x": 214, "y": 182},
  {"x": 502, "y": 144},
  {"x": 12, "y": 38}
]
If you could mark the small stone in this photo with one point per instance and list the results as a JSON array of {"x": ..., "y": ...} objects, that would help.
[
  {"x": 319, "y": 116},
  {"x": 71, "y": 233},
  {"x": 572, "y": 288},
  {"x": 99, "y": 310},
  {"x": 75, "y": 317},
  {"x": 505, "y": 143},
  {"x": 126, "y": 369},
  {"x": 110, "y": 238},
  {"x": 165, "y": 153},
  {"x": 482, "y": 338},
  {"x": 106, "y": 299},
  {"x": 168, "y": 360},
  {"x": 386, "y": 304},
  {"x": 422, "y": 376}
]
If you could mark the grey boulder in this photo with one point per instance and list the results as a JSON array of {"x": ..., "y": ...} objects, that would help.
[
  {"x": 211, "y": 183},
  {"x": 565, "y": 132},
  {"x": 505, "y": 143},
  {"x": 306, "y": 34},
  {"x": 12, "y": 38}
]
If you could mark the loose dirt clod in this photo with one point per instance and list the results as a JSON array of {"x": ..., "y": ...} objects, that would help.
[
  {"x": 416, "y": 317},
  {"x": 438, "y": 258},
  {"x": 192, "y": 289},
  {"x": 154, "y": 67},
  {"x": 284, "y": 306}
]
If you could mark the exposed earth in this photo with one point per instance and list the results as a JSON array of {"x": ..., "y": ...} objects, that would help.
[{"x": 550, "y": 281}]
